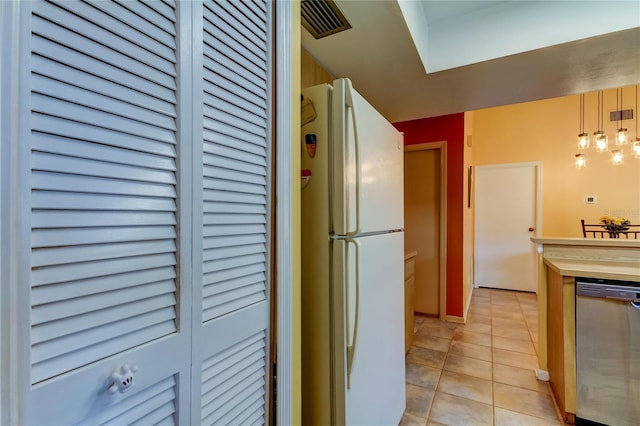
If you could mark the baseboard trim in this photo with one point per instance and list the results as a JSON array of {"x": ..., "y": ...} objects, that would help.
[
  {"x": 451, "y": 318},
  {"x": 542, "y": 375}
]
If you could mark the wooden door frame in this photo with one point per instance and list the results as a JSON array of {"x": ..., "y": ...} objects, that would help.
[
  {"x": 538, "y": 201},
  {"x": 442, "y": 146}
]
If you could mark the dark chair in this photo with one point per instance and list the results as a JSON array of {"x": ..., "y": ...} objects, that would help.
[{"x": 597, "y": 231}]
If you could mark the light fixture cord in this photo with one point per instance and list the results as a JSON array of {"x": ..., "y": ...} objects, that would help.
[{"x": 636, "y": 112}]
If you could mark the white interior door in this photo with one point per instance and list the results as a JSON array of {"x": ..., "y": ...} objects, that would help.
[{"x": 506, "y": 217}]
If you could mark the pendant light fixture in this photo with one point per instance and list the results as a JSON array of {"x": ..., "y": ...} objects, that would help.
[
  {"x": 621, "y": 132},
  {"x": 583, "y": 137},
  {"x": 636, "y": 144},
  {"x": 601, "y": 141},
  {"x": 581, "y": 161},
  {"x": 617, "y": 156}
]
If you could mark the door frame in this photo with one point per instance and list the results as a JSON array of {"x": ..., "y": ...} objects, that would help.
[
  {"x": 537, "y": 165},
  {"x": 442, "y": 146}
]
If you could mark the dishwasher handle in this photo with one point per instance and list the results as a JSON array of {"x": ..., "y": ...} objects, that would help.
[
  {"x": 636, "y": 304},
  {"x": 608, "y": 291}
]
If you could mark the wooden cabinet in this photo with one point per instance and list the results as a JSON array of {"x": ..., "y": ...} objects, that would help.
[
  {"x": 561, "y": 342},
  {"x": 409, "y": 284}
]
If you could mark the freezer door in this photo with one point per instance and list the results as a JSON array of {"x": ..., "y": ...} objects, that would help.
[
  {"x": 368, "y": 314},
  {"x": 367, "y": 188}
]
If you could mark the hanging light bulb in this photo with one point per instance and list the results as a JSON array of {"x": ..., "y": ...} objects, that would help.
[
  {"x": 600, "y": 139},
  {"x": 636, "y": 149},
  {"x": 617, "y": 156},
  {"x": 621, "y": 133},
  {"x": 583, "y": 137},
  {"x": 581, "y": 161}
]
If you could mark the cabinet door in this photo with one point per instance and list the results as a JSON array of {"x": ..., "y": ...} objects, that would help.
[{"x": 104, "y": 215}]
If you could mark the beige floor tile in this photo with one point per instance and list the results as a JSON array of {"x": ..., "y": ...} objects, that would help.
[
  {"x": 453, "y": 410},
  {"x": 466, "y": 386},
  {"x": 478, "y": 319},
  {"x": 435, "y": 330},
  {"x": 471, "y": 350},
  {"x": 426, "y": 357},
  {"x": 509, "y": 323},
  {"x": 432, "y": 423},
  {"x": 422, "y": 375},
  {"x": 481, "y": 293},
  {"x": 435, "y": 321},
  {"x": 483, "y": 312},
  {"x": 498, "y": 292},
  {"x": 418, "y": 401},
  {"x": 520, "y": 377},
  {"x": 514, "y": 359},
  {"x": 515, "y": 345},
  {"x": 471, "y": 337},
  {"x": 475, "y": 328},
  {"x": 471, "y": 366},
  {"x": 430, "y": 342},
  {"x": 524, "y": 401},
  {"x": 511, "y": 418},
  {"x": 419, "y": 318},
  {"x": 521, "y": 333},
  {"x": 497, "y": 311}
]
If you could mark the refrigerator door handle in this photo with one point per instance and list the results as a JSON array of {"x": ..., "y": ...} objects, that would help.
[
  {"x": 350, "y": 111},
  {"x": 352, "y": 335}
]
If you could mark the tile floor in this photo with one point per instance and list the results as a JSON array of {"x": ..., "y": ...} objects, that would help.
[{"x": 481, "y": 372}]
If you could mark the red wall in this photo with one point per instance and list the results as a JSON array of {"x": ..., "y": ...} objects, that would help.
[{"x": 449, "y": 128}]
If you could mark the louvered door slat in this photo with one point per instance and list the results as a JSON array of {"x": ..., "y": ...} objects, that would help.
[
  {"x": 162, "y": 17},
  {"x": 111, "y": 73},
  {"x": 252, "y": 12},
  {"x": 221, "y": 286},
  {"x": 225, "y": 276},
  {"x": 98, "y": 235},
  {"x": 86, "y": 81},
  {"x": 53, "y": 367},
  {"x": 234, "y": 117},
  {"x": 227, "y": 208},
  {"x": 228, "y": 412},
  {"x": 56, "y": 144},
  {"x": 241, "y": 98},
  {"x": 223, "y": 94},
  {"x": 227, "y": 128},
  {"x": 83, "y": 219},
  {"x": 233, "y": 251},
  {"x": 254, "y": 153},
  {"x": 107, "y": 138},
  {"x": 74, "y": 342},
  {"x": 77, "y": 201},
  {"x": 60, "y": 182},
  {"x": 255, "y": 11},
  {"x": 75, "y": 307},
  {"x": 112, "y": 16},
  {"x": 238, "y": 110},
  {"x": 235, "y": 33},
  {"x": 223, "y": 162},
  {"x": 67, "y": 15},
  {"x": 63, "y": 255},
  {"x": 81, "y": 166},
  {"x": 67, "y": 37},
  {"x": 162, "y": 7},
  {"x": 219, "y": 230},
  {"x": 228, "y": 185},
  {"x": 87, "y": 98},
  {"x": 233, "y": 175},
  {"x": 233, "y": 219},
  {"x": 224, "y": 70},
  {"x": 71, "y": 111},
  {"x": 233, "y": 197},
  {"x": 67, "y": 326},
  {"x": 239, "y": 240},
  {"x": 145, "y": 401}
]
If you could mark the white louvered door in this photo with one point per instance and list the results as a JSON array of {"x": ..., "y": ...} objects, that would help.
[
  {"x": 108, "y": 167},
  {"x": 231, "y": 341}
]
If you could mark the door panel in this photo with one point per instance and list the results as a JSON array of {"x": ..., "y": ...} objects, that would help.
[
  {"x": 422, "y": 225},
  {"x": 505, "y": 209},
  {"x": 104, "y": 205},
  {"x": 231, "y": 355}
]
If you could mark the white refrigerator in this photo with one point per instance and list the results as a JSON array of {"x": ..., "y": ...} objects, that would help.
[{"x": 353, "y": 369}]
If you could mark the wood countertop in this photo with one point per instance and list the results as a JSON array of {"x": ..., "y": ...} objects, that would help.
[
  {"x": 595, "y": 242},
  {"x": 625, "y": 271}
]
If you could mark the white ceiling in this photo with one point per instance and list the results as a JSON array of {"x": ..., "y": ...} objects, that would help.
[{"x": 484, "y": 53}]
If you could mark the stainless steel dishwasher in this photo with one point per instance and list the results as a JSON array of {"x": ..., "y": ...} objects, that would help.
[{"x": 608, "y": 351}]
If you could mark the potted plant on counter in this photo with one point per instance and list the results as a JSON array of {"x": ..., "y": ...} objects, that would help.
[{"x": 615, "y": 225}]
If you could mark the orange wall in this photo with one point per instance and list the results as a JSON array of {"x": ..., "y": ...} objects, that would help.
[
  {"x": 547, "y": 131},
  {"x": 449, "y": 128}
]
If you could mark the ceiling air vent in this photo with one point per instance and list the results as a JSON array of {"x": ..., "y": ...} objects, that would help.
[{"x": 322, "y": 18}]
